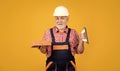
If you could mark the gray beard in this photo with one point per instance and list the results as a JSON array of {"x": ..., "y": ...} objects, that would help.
[{"x": 61, "y": 26}]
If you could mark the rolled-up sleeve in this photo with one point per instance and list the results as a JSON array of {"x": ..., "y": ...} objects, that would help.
[
  {"x": 74, "y": 41},
  {"x": 47, "y": 37}
]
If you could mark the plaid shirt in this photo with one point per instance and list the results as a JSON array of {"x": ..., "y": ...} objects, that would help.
[{"x": 61, "y": 37}]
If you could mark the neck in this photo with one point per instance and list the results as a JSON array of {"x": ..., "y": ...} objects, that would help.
[{"x": 62, "y": 30}]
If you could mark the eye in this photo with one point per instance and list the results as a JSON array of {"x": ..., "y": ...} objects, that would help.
[
  {"x": 62, "y": 18},
  {"x": 56, "y": 18}
]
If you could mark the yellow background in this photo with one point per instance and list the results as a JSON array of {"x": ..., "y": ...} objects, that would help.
[{"x": 22, "y": 21}]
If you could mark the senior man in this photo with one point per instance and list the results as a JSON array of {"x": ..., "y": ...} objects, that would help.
[{"x": 65, "y": 43}]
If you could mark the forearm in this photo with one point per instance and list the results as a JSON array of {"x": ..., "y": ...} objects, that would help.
[{"x": 80, "y": 47}]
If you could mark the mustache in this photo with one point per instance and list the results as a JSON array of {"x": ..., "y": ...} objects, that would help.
[
  {"x": 60, "y": 23},
  {"x": 60, "y": 26}
]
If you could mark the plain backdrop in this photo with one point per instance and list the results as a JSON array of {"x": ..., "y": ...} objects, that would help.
[{"x": 24, "y": 21}]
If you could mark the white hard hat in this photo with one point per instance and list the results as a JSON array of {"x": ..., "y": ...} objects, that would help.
[{"x": 61, "y": 11}]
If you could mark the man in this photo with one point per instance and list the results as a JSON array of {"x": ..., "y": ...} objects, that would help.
[{"x": 65, "y": 43}]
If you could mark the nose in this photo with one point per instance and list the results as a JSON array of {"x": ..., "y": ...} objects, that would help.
[{"x": 59, "y": 20}]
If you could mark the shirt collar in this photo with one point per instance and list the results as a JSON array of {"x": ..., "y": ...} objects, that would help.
[{"x": 57, "y": 30}]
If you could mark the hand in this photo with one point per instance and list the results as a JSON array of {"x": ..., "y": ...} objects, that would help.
[
  {"x": 83, "y": 36},
  {"x": 43, "y": 49}
]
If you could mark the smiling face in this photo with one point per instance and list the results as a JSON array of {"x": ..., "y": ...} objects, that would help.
[{"x": 61, "y": 22}]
